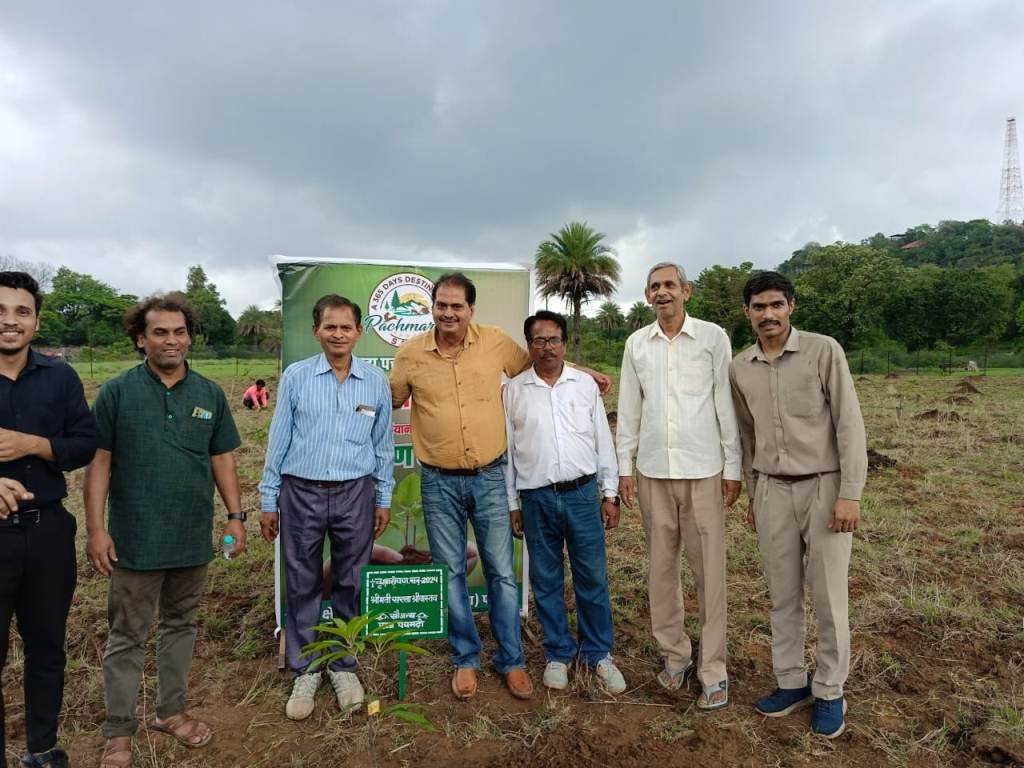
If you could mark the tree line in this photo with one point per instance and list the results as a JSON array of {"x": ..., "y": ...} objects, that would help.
[
  {"x": 81, "y": 311},
  {"x": 929, "y": 288}
]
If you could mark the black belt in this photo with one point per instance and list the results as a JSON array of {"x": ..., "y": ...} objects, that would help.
[
  {"x": 568, "y": 485},
  {"x": 462, "y": 472},
  {"x": 795, "y": 478},
  {"x": 322, "y": 483},
  {"x": 24, "y": 517}
]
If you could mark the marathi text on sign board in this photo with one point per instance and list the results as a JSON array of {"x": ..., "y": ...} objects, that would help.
[{"x": 410, "y": 598}]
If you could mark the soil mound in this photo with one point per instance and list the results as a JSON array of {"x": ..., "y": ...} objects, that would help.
[
  {"x": 937, "y": 415},
  {"x": 966, "y": 386},
  {"x": 877, "y": 461},
  {"x": 958, "y": 400}
]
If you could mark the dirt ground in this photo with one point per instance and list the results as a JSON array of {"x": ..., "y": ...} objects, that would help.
[{"x": 937, "y": 611}]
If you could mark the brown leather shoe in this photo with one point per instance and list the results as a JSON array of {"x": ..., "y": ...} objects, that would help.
[
  {"x": 519, "y": 683},
  {"x": 464, "y": 683}
]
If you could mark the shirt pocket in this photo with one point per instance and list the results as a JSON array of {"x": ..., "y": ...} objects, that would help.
[
  {"x": 429, "y": 381},
  {"x": 582, "y": 417},
  {"x": 693, "y": 377},
  {"x": 196, "y": 435},
  {"x": 805, "y": 397},
  {"x": 358, "y": 428},
  {"x": 480, "y": 384}
]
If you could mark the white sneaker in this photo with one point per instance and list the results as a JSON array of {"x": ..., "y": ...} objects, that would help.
[
  {"x": 556, "y": 676},
  {"x": 300, "y": 703},
  {"x": 347, "y": 688},
  {"x": 610, "y": 676}
]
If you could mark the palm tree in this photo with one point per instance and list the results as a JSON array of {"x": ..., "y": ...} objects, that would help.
[
  {"x": 575, "y": 266},
  {"x": 259, "y": 325},
  {"x": 640, "y": 314},
  {"x": 250, "y": 324},
  {"x": 609, "y": 317}
]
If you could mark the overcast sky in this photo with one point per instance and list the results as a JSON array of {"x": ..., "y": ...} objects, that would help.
[{"x": 139, "y": 138}]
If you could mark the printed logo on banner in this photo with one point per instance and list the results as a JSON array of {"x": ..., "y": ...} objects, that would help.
[{"x": 399, "y": 308}]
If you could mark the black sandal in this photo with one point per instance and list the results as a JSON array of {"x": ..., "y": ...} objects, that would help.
[{"x": 54, "y": 758}]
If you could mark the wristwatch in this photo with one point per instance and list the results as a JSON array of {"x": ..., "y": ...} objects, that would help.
[{"x": 237, "y": 516}]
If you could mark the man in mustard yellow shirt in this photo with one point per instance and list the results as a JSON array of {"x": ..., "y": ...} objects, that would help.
[{"x": 458, "y": 431}]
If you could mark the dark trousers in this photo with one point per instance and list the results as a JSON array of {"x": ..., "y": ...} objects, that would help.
[
  {"x": 310, "y": 513},
  {"x": 37, "y": 579}
]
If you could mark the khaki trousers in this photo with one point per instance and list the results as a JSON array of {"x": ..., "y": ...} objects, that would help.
[
  {"x": 797, "y": 547},
  {"x": 134, "y": 598},
  {"x": 686, "y": 515}
]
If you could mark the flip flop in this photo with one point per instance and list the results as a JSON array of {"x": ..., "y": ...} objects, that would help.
[
  {"x": 704, "y": 701},
  {"x": 117, "y": 755},
  {"x": 674, "y": 679},
  {"x": 183, "y": 729}
]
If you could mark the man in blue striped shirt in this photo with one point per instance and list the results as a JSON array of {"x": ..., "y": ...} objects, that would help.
[{"x": 328, "y": 472}]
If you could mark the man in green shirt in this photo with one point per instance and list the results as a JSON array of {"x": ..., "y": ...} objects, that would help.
[{"x": 166, "y": 437}]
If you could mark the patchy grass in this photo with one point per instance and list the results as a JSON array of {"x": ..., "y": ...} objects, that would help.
[{"x": 936, "y": 600}]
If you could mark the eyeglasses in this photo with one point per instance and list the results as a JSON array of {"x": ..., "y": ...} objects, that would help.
[{"x": 539, "y": 342}]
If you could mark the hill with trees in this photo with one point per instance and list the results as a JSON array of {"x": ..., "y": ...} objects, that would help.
[
  {"x": 929, "y": 289},
  {"x": 936, "y": 288}
]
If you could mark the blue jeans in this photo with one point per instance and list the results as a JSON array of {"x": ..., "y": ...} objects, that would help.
[
  {"x": 448, "y": 502},
  {"x": 573, "y": 518}
]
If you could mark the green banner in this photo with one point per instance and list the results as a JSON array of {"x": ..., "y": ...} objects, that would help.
[{"x": 395, "y": 300}]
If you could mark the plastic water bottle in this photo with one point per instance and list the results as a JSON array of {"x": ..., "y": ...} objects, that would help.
[{"x": 228, "y": 545}]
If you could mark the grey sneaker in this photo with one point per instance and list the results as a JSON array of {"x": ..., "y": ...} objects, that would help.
[
  {"x": 347, "y": 688},
  {"x": 556, "y": 676},
  {"x": 300, "y": 703},
  {"x": 610, "y": 676}
]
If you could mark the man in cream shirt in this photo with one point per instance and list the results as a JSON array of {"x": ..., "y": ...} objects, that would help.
[{"x": 676, "y": 418}]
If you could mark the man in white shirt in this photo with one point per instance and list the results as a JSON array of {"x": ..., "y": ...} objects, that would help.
[
  {"x": 560, "y": 451},
  {"x": 676, "y": 418}
]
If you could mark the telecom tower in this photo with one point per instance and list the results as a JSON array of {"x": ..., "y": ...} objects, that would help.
[{"x": 1011, "y": 199}]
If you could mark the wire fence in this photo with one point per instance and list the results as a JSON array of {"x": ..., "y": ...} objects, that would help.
[{"x": 978, "y": 359}]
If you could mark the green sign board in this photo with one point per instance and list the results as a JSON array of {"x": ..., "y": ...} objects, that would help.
[{"x": 413, "y": 598}]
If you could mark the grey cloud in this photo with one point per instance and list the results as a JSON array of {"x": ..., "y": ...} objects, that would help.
[{"x": 470, "y": 130}]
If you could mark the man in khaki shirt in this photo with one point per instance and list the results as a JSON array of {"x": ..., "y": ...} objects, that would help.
[
  {"x": 458, "y": 431},
  {"x": 805, "y": 464}
]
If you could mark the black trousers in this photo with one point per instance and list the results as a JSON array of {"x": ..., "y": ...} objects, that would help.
[{"x": 38, "y": 574}]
